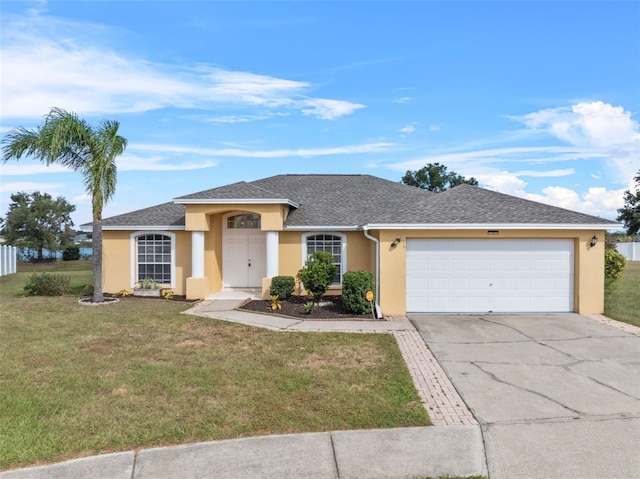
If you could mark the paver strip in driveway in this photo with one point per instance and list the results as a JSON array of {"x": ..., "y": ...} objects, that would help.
[
  {"x": 438, "y": 394},
  {"x": 557, "y": 395}
]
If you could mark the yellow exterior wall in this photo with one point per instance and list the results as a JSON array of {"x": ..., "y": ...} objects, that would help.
[
  {"x": 197, "y": 217},
  {"x": 117, "y": 260},
  {"x": 588, "y": 264}
]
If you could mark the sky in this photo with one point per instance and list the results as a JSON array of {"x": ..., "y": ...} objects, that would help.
[{"x": 539, "y": 100}]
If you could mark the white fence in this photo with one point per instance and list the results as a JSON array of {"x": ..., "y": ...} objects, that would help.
[
  {"x": 631, "y": 251},
  {"x": 8, "y": 259}
]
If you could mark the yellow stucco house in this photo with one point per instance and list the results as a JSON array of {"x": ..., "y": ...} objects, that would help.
[{"x": 464, "y": 250}]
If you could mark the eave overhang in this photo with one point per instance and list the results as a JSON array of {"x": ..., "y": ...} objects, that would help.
[
  {"x": 492, "y": 226},
  {"x": 236, "y": 201}
]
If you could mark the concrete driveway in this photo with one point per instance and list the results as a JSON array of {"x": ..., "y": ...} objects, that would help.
[{"x": 557, "y": 395}]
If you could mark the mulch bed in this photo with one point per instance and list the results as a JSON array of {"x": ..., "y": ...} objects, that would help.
[{"x": 293, "y": 307}]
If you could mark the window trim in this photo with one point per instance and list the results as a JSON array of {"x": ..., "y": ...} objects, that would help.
[
  {"x": 343, "y": 250},
  {"x": 134, "y": 255}
]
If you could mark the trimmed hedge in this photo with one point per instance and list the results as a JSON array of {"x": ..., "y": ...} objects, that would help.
[
  {"x": 355, "y": 285},
  {"x": 282, "y": 286}
]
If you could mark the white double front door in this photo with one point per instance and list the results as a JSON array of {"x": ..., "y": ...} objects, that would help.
[{"x": 243, "y": 258}]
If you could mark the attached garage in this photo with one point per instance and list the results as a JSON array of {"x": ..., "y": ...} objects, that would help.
[{"x": 489, "y": 275}]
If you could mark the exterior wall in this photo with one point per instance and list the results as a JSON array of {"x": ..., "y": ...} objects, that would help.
[
  {"x": 117, "y": 260},
  {"x": 360, "y": 254},
  {"x": 588, "y": 264},
  {"x": 588, "y": 261},
  {"x": 197, "y": 217}
]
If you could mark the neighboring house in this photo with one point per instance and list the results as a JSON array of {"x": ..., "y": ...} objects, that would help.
[{"x": 464, "y": 250}]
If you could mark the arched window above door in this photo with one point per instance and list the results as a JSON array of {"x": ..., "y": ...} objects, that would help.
[{"x": 243, "y": 221}]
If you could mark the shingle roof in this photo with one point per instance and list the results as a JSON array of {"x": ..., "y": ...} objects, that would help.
[
  {"x": 466, "y": 204},
  {"x": 357, "y": 200},
  {"x": 336, "y": 200},
  {"x": 241, "y": 190},
  {"x": 166, "y": 214}
]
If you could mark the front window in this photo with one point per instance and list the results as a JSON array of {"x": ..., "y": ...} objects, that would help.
[
  {"x": 331, "y": 243},
  {"x": 154, "y": 257}
]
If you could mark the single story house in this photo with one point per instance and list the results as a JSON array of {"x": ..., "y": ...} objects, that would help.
[{"x": 467, "y": 249}]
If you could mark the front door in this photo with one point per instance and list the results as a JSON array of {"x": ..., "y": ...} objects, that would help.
[{"x": 243, "y": 255}]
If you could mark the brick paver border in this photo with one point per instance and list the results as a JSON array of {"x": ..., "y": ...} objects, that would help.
[
  {"x": 627, "y": 328},
  {"x": 440, "y": 398}
]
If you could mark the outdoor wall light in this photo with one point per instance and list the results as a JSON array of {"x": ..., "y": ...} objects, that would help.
[
  {"x": 594, "y": 241},
  {"x": 395, "y": 243}
]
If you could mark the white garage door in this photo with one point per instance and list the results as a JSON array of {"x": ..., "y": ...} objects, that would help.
[{"x": 481, "y": 275}]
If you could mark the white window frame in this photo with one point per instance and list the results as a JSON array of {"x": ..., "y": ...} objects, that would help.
[
  {"x": 343, "y": 249},
  {"x": 134, "y": 255}
]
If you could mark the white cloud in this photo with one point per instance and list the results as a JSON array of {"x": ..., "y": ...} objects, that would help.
[
  {"x": 410, "y": 128},
  {"x": 403, "y": 99},
  {"x": 29, "y": 186},
  {"x": 546, "y": 174},
  {"x": 244, "y": 153},
  {"x": 129, "y": 162},
  {"x": 434, "y": 128},
  {"x": 48, "y": 61},
  {"x": 328, "y": 109},
  {"x": 22, "y": 168},
  {"x": 595, "y": 126}
]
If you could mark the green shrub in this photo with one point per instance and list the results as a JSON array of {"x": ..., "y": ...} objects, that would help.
[
  {"x": 282, "y": 286},
  {"x": 317, "y": 274},
  {"x": 72, "y": 253},
  {"x": 355, "y": 285},
  {"x": 47, "y": 284},
  {"x": 614, "y": 264}
]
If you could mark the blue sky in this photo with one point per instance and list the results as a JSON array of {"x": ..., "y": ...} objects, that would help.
[{"x": 534, "y": 99}]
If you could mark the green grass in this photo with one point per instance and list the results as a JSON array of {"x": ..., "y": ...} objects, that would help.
[
  {"x": 622, "y": 302},
  {"x": 79, "y": 380}
]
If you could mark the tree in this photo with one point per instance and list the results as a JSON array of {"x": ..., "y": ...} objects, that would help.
[
  {"x": 72, "y": 142},
  {"x": 37, "y": 221},
  {"x": 629, "y": 214},
  {"x": 435, "y": 177}
]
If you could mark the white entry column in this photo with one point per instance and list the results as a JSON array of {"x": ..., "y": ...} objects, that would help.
[
  {"x": 197, "y": 254},
  {"x": 272, "y": 253}
]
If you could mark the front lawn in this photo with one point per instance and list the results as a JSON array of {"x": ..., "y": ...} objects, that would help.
[
  {"x": 623, "y": 301},
  {"x": 80, "y": 380}
]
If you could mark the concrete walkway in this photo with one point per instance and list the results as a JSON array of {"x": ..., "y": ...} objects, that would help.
[{"x": 455, "y": 450}]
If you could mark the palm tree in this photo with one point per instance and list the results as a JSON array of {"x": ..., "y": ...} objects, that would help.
[{"x": 70, "y": 141}]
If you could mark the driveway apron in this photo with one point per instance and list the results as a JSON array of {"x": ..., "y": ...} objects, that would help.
[{"x": 557, "y": 395}]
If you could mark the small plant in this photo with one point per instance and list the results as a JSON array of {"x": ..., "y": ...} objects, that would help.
[
  {"x": 318, "y": 273},
  {"x": 88, "y": 290},
  {"x": 275, "y": 302},
  {"x": 123, "y": 293},
  {"x": 614, "y": 264},
  {"x": 282, "y": 286},
  {"x": 167, "y": 294},
  {"x": 148, "y": 283},
  {"x": 47, "y": 284},
  {"x": 308, "y": 307},
  {"x": 355, "y": 285}
]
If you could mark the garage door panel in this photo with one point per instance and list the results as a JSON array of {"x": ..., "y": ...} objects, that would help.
[{"x": 500, "y": 275}]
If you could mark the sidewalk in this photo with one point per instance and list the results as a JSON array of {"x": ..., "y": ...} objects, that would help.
[
  {"x": 455, "y": 450},
  {"x": 390, "y": 453}
]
